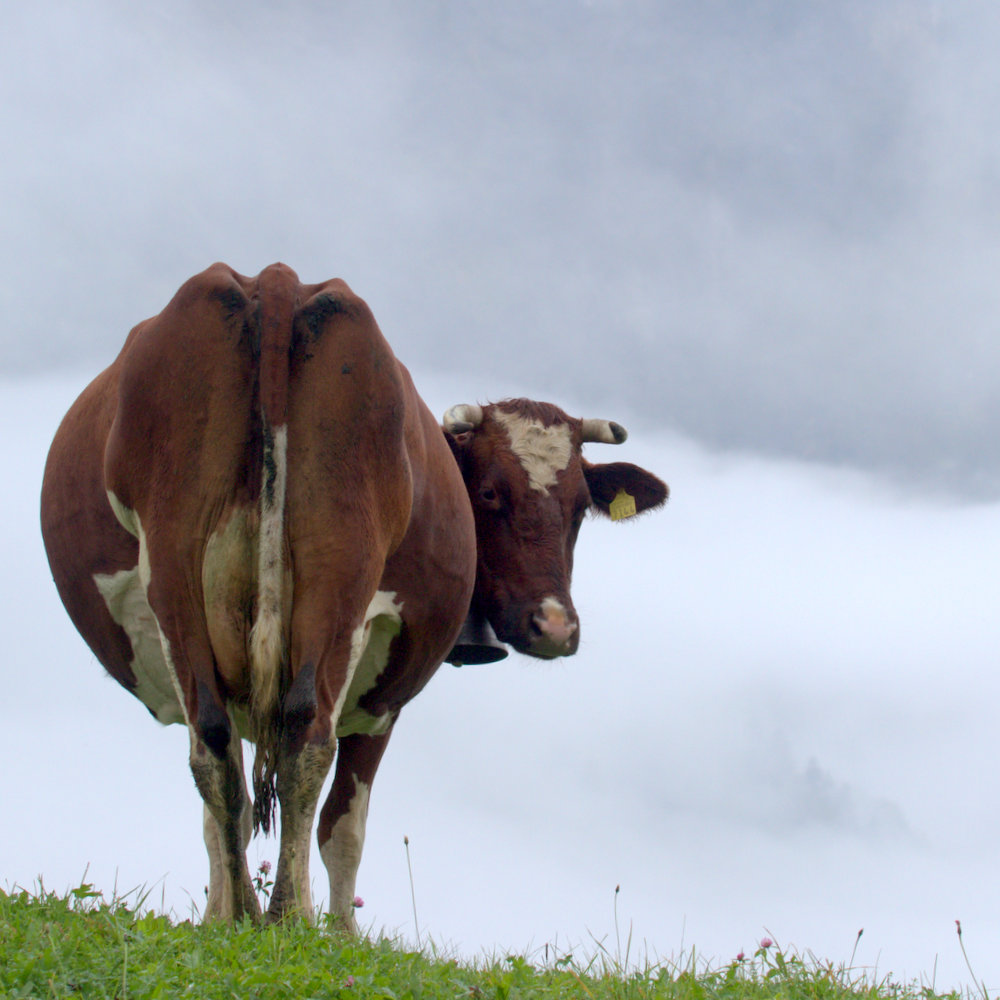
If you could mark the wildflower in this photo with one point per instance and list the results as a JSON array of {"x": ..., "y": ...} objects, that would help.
[
  {"x": 357, "y": 902},
  {"x": 349, "y": 981},
  {"x": 265, "y": 868},
  {"x": 766, "y": 943},
  {"x": 958, "y": 924},
  {"x": 741, "y": 957}
]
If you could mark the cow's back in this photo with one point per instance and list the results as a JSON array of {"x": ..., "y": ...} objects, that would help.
[{"x": 171, "y": 521}]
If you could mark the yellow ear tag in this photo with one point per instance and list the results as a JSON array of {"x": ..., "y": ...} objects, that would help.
[{"x": 622, "y": 506}]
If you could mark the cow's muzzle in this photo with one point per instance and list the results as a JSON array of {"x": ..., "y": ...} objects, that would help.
[{"x": 553, "y": 630}]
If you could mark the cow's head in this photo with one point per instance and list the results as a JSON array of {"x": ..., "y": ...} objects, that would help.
[{"x": 530, "y": 488}]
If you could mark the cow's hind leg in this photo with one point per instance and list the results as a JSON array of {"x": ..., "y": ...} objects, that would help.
[
  {"x": 222, "y": 785},
  {"x": 220, "y": 904},
  {"x": 305, "y": 752},
  {"x": 216, "y": 755},
  {"x": 341, "y": 831}
]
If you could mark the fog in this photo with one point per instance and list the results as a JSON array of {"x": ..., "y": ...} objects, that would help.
[{"x": 777, "y": 724}]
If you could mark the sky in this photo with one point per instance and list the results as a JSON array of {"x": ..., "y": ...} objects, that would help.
[{"x": 762, "y": 236}]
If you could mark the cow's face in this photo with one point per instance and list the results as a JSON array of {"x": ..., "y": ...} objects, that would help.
[{"x": 530, "y": 489}]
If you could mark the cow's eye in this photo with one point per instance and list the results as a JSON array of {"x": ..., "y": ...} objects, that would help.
[{"x": 489, "y": 497}]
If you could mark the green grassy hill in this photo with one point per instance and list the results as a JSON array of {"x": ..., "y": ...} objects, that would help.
[{"x": 80, "y": 945}]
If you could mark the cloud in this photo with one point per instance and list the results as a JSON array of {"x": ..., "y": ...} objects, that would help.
[{"x": 764, "y": 226}]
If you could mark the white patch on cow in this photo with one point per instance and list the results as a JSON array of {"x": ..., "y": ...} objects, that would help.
[
  {"x": 555, "y": 620},
  {"x": 229, "y": 593},
  {"x": 552, "y": 607},
  {"x": 126, "y": 518},
  {"x": 125, "y": 598},
  {"x": 266, "y": 640},
  {"x": 125, "y": 594},
  {"x": 369, "y": 656},
  {"x": 227, "y": 566},
  {"x": 542, "y": 451},
  {"x": 342, "y": 853}
]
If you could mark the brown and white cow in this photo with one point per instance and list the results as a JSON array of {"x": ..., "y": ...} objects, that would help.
[{"x": 260, "y": 530}]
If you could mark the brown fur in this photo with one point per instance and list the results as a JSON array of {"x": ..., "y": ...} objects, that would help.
[{"x": 183, "y": 428}]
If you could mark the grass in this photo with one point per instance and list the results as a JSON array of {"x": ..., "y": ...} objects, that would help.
[{"x": 81, "y": 945}]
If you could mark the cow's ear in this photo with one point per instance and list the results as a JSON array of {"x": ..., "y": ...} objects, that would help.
[{"x": 607, "y": 481}]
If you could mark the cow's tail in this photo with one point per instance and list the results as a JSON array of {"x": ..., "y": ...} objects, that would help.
[{"x": 276, "y": 307}]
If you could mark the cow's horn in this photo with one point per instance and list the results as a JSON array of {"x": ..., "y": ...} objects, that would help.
[
  {"x": 603, "y": 431},
  {"x": 462, "y": 418}
]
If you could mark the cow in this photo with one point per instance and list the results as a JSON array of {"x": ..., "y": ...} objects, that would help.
[{"x": 259, "y": 529}]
